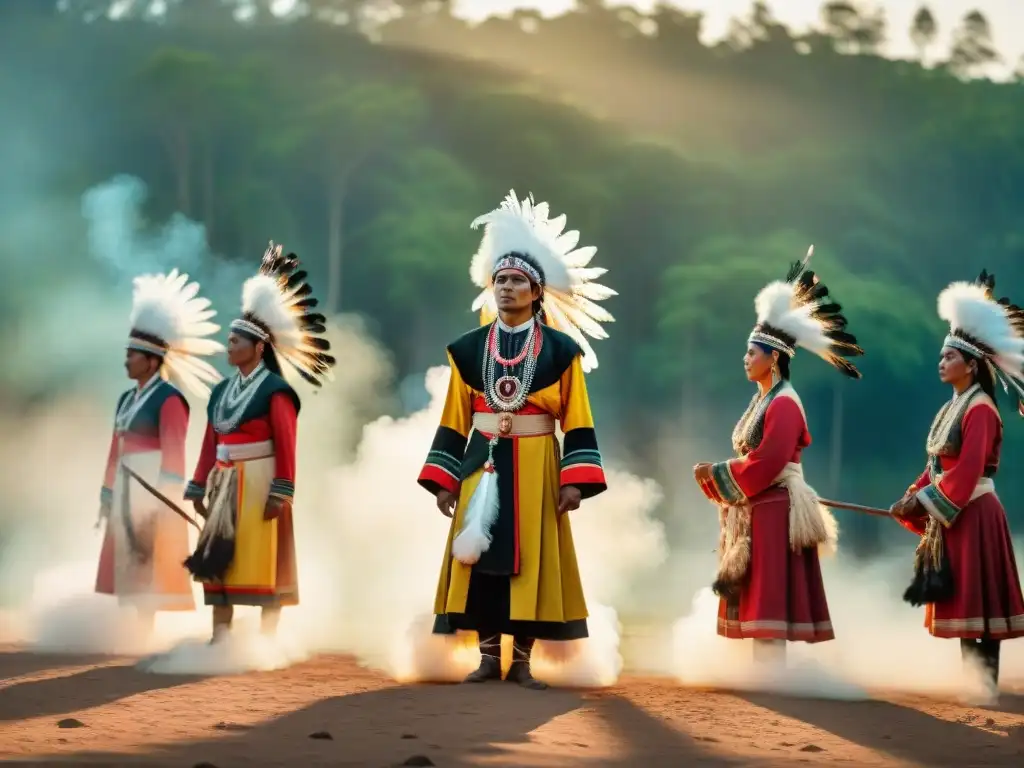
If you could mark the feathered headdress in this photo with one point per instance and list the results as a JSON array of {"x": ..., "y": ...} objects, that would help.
[
  {"x": 988, "y": 329},
  {"x": 519, "y": 235},
  {"x": 798, "y": 312},
  {"x": 169, "y": 320},
  {"x": 277, "y": 308}
]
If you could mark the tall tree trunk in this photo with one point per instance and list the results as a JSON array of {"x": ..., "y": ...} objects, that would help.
[
  {"x": 208, "y": 189},
  {"x": 335, "y": 240},
  {"x": 181, "y": 159},
  {"x": 836, "y": 463}
]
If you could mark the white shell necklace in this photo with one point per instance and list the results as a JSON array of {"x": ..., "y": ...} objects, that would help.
[
  {"x": 132, "y": 404},
  {"x": 508, "y": 393},
  {"x": 233, "y": 401}
]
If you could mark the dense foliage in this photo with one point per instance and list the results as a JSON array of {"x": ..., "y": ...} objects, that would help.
[{"x": 699, "y": 172}]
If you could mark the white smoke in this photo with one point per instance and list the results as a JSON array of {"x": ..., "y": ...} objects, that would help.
[{"x": 369, "y": 539}]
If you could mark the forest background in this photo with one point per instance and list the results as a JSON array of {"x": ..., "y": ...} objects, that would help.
[{"x": 366, "y": 135}]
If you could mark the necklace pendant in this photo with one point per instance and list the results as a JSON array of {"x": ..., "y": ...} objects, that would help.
[{"x": 507, "y": 388}]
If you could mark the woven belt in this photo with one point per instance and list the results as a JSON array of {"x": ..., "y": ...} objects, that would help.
[
  {"x": 228, "y": 453},
  {"x": 512, "y": 425}
]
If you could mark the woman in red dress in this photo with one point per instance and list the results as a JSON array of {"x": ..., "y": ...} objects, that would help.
[
  {"x": 965, "y": 571},
  {"x": 769, "y": 578}
]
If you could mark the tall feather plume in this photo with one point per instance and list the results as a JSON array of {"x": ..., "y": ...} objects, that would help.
[
  {"x": 281, "y": 298},
  {"x": 801, "y": 308},
  {"x": 570, "y": 293},
  {"x": 994, "y": 325},
  {"x": 168, "y": 307}
]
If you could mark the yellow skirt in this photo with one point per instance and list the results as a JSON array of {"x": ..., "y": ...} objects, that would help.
[
  {"x": 547, "y": 587},
  {"x": 263, "y": 569}
]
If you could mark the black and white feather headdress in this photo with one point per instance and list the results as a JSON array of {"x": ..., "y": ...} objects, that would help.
[
  {"x": 988, "y": 329},
  {"x": 520, "y": 228},
  {"x": 278, "y": 309},
  {"x": 170, "y": 320},
  {"x": 798, "y": 312}
]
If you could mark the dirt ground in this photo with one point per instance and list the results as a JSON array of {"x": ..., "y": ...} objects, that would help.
[{"x": 330, "y": 711}]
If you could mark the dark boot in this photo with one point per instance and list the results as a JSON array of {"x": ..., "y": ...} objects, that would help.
[
  {"x": 490, "y": 659},
  {"x": 519, "y": 672},
  {"x": 989, "y": 653}
]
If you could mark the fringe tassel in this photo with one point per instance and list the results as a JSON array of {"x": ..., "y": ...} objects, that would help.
[
  {"x": 215, "y": 549},
  {"x": 475, "y": 537},
  {"x": 733, "y": 549},
  {"x": 810, "y": 525},
  {"x": 933, "y": 579}
]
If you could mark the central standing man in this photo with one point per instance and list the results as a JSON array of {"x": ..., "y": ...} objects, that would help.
[
  {"x": 495, "y": 465},
  {"x": 246, "y": 469}
]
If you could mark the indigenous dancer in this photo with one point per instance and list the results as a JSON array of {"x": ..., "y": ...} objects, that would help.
[
  {"x": 965, "y": 571},
  {"x": 769, "y": 577},
  {"x": 246, "y": 552},
  {"x": 145, "y": 541},
  {"x": 495, "y": 465}
]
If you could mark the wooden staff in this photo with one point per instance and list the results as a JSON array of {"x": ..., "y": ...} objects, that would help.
[
  {"x": 856, "y": 508},
  {"x": 164, "y": 499}
]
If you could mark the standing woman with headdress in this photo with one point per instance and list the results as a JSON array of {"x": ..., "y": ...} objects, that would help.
[
  {"x": 509, "y": 564},
  {"x": 769, "y": 576},
  {"x": 965, "y": 570},
  {"x": 145, "y": 542},
  {"x": 246, "y": 469}
]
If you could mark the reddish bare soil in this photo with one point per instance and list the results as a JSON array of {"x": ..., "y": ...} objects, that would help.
[{"x": 129, "y": 717}]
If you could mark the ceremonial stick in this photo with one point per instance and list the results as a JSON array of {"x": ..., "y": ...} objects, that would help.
[
  {"x": 856, "y": 508},
  {"x": 164, "y": 499}
]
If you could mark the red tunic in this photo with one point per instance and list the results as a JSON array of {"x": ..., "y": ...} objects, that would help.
[
  {"x": 280, "y": 426},
  {"x": 986, "y": 599},
  {"x": 164, "y": 573},
  {"x": 784, "y": 595}
]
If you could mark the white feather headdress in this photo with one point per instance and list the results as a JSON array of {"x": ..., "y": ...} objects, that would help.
[
  {"x": 569, "y": 293},
  {"x": 170, "y": 320},
  {"x": 988, "y": 329},
  {"x": 798, "y": 312},
  {"x": 277, "y": 308}
]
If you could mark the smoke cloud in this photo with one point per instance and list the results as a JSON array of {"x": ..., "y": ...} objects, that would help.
[{"x": 370, "y": 541}]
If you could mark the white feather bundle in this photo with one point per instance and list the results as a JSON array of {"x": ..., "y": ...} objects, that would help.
[
  {"x": 168, "y": 307},
  {"x": 969, "y": 307},
  {"x": 777, "y": 305},
  {"x": 262, "y": 295},
  {"x": 569, "y": 294},
  {"x": 475, "y": 537}
]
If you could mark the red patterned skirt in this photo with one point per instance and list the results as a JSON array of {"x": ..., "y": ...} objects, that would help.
[
  {"x": 783, "y": 597},
  {"x": 987, "y": 600}
]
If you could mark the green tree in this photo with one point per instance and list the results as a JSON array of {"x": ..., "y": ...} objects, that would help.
[
  {"x": 333, "y": 135},
  {"x": 175, "y": 90},
  {"x": 855, "y": 27},
  {"x": 421, "y": 244},
  {"x": 973, "y": 47},
  {"x": 923, "y": 31}
]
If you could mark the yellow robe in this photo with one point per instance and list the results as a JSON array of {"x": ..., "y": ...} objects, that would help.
[{"x": 545, "y": 584}]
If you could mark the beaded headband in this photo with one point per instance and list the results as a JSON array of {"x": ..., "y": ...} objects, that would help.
[
  {"x": 250, "y": 328},
  {"x": 517, "y": 263},
  {"x": 149, "y": 344},
  {"x": 761, "y": 337},
  {"x": 959, "y": 342}
]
